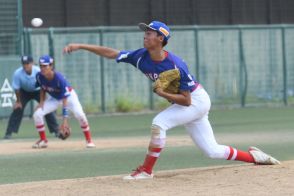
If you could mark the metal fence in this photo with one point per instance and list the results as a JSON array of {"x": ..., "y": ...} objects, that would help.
[
  {"x": 238, "y": 65},
  {"x": 10, "y": 27}
]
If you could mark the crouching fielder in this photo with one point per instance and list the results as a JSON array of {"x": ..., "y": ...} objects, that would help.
[{"x": 60, "y": 93}]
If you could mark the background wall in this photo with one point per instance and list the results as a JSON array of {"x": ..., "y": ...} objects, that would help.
[
  {"x": 72, "y": 13},
  {"x": 14, "y": 14}
]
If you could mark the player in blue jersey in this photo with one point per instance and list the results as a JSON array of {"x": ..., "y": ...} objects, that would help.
[
  {"x": 191, "y": 103},
  {"x": 24, "y": 85},
  {"x": 59, "y": 92}
]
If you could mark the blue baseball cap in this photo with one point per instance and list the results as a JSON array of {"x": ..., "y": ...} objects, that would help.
[
  {"x": 45, "y": 60},
  {"x": 160, "y": 27},
  {"x": 26, "y": 59}
]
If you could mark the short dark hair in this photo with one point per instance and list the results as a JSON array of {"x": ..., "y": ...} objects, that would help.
[{"x": 164, "y": 40}]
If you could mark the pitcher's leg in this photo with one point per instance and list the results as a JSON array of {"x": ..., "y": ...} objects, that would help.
[
  {"x": 156, "y": 144},
  {"x": 167, "y": 119},
  {"x": 171, "y": 117},
  {"x": 202, "y": 134}
]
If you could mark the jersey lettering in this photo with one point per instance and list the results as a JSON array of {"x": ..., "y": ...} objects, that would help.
[
  {"x": 192, "y": 83},
  {"x": 152, "y": 76},
  {"x": 50, "y": 89}
]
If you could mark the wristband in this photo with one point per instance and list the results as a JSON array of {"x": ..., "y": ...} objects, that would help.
[{"x": 65, "y": 112}]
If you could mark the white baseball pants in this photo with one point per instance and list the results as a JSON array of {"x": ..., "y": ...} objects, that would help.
[
  {"x": 51, "y": 104},
  {"x": 195, "y": 120}
]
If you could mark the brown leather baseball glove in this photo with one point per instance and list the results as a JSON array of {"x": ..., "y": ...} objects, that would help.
[
  {"x": 168, "y": 81},
  {"x": 64, "y": 132}
]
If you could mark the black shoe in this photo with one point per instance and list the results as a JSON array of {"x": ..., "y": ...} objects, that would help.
[
  {"x": 56, "y": 134},
  {"x": 7, "y": 137}
]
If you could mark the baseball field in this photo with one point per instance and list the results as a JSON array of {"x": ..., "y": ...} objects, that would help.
[{"x": 68, "y": 168}]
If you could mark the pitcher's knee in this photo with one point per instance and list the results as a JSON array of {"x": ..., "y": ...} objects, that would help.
[
  {"x": 158, "y": 136},
  {"x": 157, "y": 132},
  {"x": 214, "y": 153}
]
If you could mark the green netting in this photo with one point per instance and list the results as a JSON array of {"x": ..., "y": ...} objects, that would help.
[
  {"x": 39, "y": 45},
  {"x": 8, "y": 27},
  {"x": 81, "y": 68},
  {"x": 183, "y": 44},
  {"x": 263, "y": 54},
  {"x": 219, "y": 65},
  {"x": 123, "y": 80},
  {"x": 216, "y": 53},
  {"x": 289, "y": 34}
]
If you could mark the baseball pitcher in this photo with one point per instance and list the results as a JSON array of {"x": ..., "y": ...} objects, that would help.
[{"x": 190, "y": 102}]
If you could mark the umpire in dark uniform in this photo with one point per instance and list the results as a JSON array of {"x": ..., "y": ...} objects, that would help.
[{"x": 24, "y": 85}]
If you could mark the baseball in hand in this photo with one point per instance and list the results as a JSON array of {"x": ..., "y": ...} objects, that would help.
[{"x": 37, "y": 22}]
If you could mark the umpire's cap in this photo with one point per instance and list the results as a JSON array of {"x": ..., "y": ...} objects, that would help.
[
  {"x": 160, "y": 27},
  {"x": 45, "y": 60},
  {"x": 26, "y": 59}
]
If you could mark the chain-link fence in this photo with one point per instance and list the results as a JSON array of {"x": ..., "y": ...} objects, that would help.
[
  {"x": 238, "y": 65},
  {"x": 243, "y": 65},
  {"x": 10, "y": 27}
]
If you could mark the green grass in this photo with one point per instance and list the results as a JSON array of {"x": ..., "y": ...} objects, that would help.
[
  {"x": 235, "y": 120},
  {"x": 87, "y": 163},
  {"x": 96, "y": 162},
  {"x": 252, "y": 119}
]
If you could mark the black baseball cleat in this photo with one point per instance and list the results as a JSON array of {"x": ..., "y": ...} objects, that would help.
[{"x": 7, "y": 136}]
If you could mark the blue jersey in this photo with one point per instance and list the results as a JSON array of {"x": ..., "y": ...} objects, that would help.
[
  {"x": 58, "y": 87},
  {"x": 21, "y": 80},
  {"x": 141, "y": 60}
]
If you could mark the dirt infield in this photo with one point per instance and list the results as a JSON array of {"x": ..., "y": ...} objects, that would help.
[
  {"x": 244, "y": 179},
  {"x": 24, "y": 146}
]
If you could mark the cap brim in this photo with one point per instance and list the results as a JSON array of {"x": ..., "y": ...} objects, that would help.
[{"x": 145, "y": 27}]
